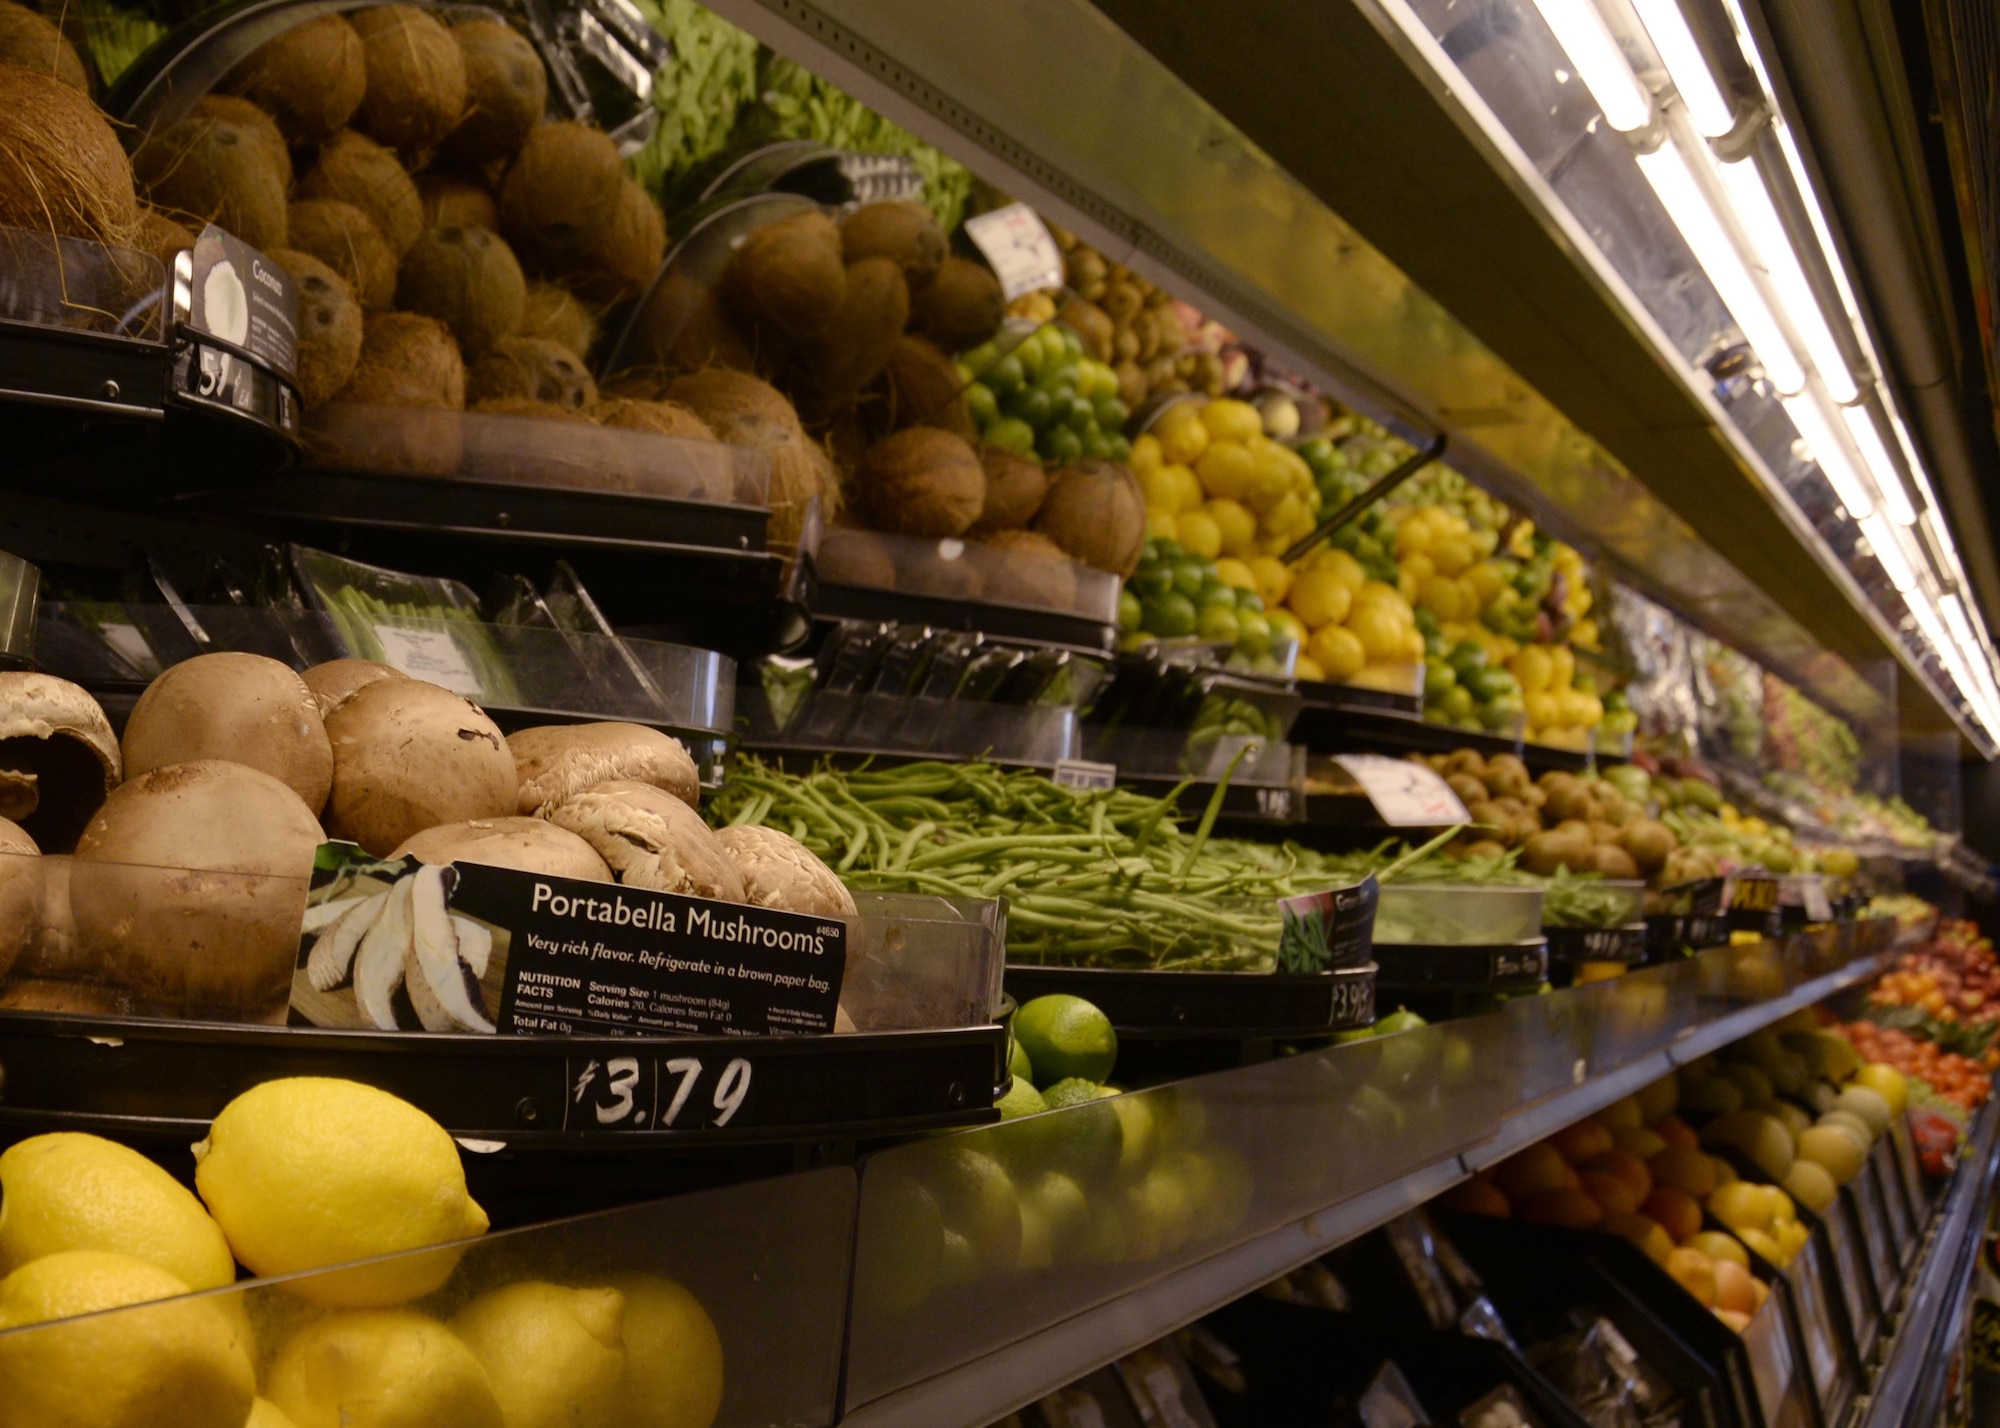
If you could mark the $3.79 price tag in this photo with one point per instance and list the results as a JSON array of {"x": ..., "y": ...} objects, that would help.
[{"x": 633, "y": 1093}]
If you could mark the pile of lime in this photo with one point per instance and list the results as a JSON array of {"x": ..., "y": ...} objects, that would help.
[
  {"x": 1463, "y": 688},
  {"x": 1177, "y": 595},
  {"x": 1037, "y": 394}
]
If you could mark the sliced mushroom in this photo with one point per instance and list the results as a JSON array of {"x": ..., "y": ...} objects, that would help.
[
  {"x": 378, "y": 965},
  {"x": 433, "y": 973},
  {"x": 331, "y": 960},
  {"x": 475, "y": 944}
]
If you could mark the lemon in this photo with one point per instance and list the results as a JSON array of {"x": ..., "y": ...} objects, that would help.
[
  {"x": 1066, "y": 1037},
  {"x": 1162, "y": 525},
  {"x": 1226, "y": 469},
  {"x": 1182, "y": 436},
  {"x": 1238, "y": 526},
  {"x": 1320, "y": 597},
  {"x": 1146, "y": 456},
  {"x": 1235, "y": 574},
  {"x": 1338, "y": 652},
  {"x": 1198, "y": 533},
  {"x": 1163, "y": 493},
  {"x": 312, "y": 1171},
  {"x": 673, "y": 1356},
  {"x": 1307, "y": 669},
  {"x": 1274, "y": 579},
  {"x": 554, "y": 1355},
  {"x": 1380, "y": 633},
  {"x": 266, "y": 1414},
  {"x": 380, "y": 1368},
  {"x": 177, "y": 1364},
  {"x": 68, "y": 1192},
  {"x": 1229, "y": 420},
  {"x": 1188, "y": 485}
]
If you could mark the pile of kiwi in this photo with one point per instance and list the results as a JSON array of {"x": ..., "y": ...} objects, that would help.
[{"x": 1561, "y": 820}]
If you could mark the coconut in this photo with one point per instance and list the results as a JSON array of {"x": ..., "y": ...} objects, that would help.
[
  {"x": 468, "y": 279},
  {"x": 659, "y": 418},
  {"x": 190, "y": 886},
  {"x": 532, "y": 367},
  {"x": 856, "y": 557},
  {"x": 721, "y": 396},
  {"x": 329, "y": 326},
  {"x": 506, "y": 91},
  {"x": 407, "y": 360},
  {"x": 256, "y": 124},
  {"x": 962, "y": 306},
  {"x": 242, "y": 707},
  {"x": 562, "y": 188},
  {"x": 683, "y": 326},
  {"x": 651, "y": 839},
  {"x": 310, "y": 79},
  {"x": 800, "y": 468},
  {"x": 1015, "y": 488},
  {"x": 925, "y": 389},
  {"x": 527, "y": 845},
  {"x": 945, "y": 570},
  {"x": 410, "y": 755},
  {"x": 30, "y": 41},
  {"x": 790, "y": 274},
  {"x": 451, "y": 199},
  {"x": 58, "y": 757},
  {"x": 855, "y": 347},
  {"x": 416, "y": 77},
  {"x": 1031, "y": 569},
  {"x": 343, "y": 236},
  {"x": 781, "y": 872},
  {"x": 355, "y": 169},
  {"x": 904, "y": 232},
  {"x": 1096, "y": 511},
  {"x": 331, "y": 684},
  {"x": 160, "y": 236},
  {"x": 208, "y": 170},
  {"x": 921, "y": 482},
  {"x": 621, "y": 260},
  {"x": 558, "y": 760},
  {"x": 529, "y": 407},
  {"x": 552, "y": 311},
  {"x": 20, "y": 893},
  {"x": 62, "y": 170}
]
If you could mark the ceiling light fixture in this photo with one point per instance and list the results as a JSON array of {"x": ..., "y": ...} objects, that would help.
[
  {"x": 1712, "y": 112},
  {"x": 1820, "y": 440},
  {"x": 1582, "y": 33},
  {"x": 1888, "y": 481}
]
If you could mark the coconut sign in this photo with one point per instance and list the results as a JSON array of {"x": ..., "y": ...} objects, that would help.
[{"x": 400, "y": 945}]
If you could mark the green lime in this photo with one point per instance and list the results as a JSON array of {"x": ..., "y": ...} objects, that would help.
[
  {"x": 1218, "y": 623},
  {"x": 1171, "y": 617},
  {"x": 982, "y": 404},
  {"x": 1011, "y": 434},
  {"x": 1086, "y": 1139},
  {"x": 1139, "y": 1121},
  {"x": 1062, "y": 404},
  {"x": 1438, "y": 679},
  {"x": 1111, "y": 412},
  {"x": 1033, "y": 406},
  {"x": 1060, "y": 445},
  {"x": 1253, "y": 634},
  {"x": 1004, "y": 376},
  {"x": 1066, "y": 1037},
  {"x": 958, "y": 1260},
  {"x": 1059, "y": 1203},
  {"x": 1152, "y": 581},
  {"x": 1467, "y": 658},
  {"x": 1022, "y": 1099},
  {"x": 1032, "y": 356},
  {"x": 979, "y": 1202},
  {"x": 1096, "y": 445},
  {"x": 1118, "y": 448},
  {"x": 902, "y": 1233},
  {"x": 1249, "y": 602},
  {"x": 1457, "y": 703},
  {"x": 1130, "y": 613},
  {"x": 1192, "y": 574}
]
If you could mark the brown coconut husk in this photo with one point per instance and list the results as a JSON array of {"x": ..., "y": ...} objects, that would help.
[
  {"x": 1016, "y": 486},
  {"x": 790, "y": 275},
  {"x": 29, "y": 40},
  {"x": 553, "y": 311},
  {"x": 62, "y": 170},
  {"x": 800, "y": 471},
  {"x": 685, "y": 327},
  {"x": 1031, "y": 570},
  {"x": 962, "y": 307},
  {"x": 659, "y": 418},
  {"x": 855, "y": 347},
  {"x": 204, "y": 170},
  {"x": 468, "y": 279},
  {"x": 897, "y": 229},
  {"x": 529, "y": 407},
  {"x": 624, "y": 257},
  {"x": 720, "y": 396},
  {"x": 506, "y": 90},
  {"x": 416, "y": 77},
  {"x": 355, "y": 169},
  {"x": 330, "y": 326},
  {"x": 642, "y": 467},
  {"x": 454, "y": 198},
  {"x": 856, "y": 557},
  {"x": 309, "y": 79},
  {"x": 255, "y": 122},
  {"x": 925, "y": 389},
  {"x": 160, "y": 236},
  {"x": 921, "y": 482},
  {"x": 562, "y": 189},
  {"x": 407, "y": 360},
  {"x": 345, "y": 238},
  {"x": 532, "y": 367},
  {"x": 1096, "y": 511}
]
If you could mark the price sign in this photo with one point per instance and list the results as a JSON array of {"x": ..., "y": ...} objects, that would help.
[
  {"x": 428, "y": 654},
  {"x": 1019, "y": 247},
  {"x": 1353, "y": 1003},
  {"x": 1083, "y": 774},
  {"x": 1807, "y": 1277},
  {"x": 631, "y": 1093},
  {"x": 1752, "y": 894},
  {"x": 1406, "y": 795}
]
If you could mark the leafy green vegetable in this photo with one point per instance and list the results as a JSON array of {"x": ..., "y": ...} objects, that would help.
[
  {"x": 699, "y": 94},
  {"x": 116, "y": 36}
]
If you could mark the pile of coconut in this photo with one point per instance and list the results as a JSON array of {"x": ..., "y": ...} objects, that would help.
[{"x": 192, "y": 837}]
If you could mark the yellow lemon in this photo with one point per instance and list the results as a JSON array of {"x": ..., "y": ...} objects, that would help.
[
  {"x": 1338, "y": 652},
  {"x": 1343, "y": 565},
  {"x": 1413, "y": 537},
  {"x": 1418, "y": 564},
  {"x": 312, "y": 1171},
  {"x": 1284, "y": 624},
  {"x": 1146, "y": 455},
  {"x": 1488, "y": 580},
  {"x": 1563, "y": 667},
  {"x": 266, "y": 1414},
  {"x": 1307, "y": 668},
  {"x": 673, "y": 1356},
  {"x": 1162, "y": 525},
  {"x": 1163, "y": 493},
  {"x": 1375, "y": 592},
  {"x": 1413, "y": 645},
  {"x": 1227, "y": 469},
  {"x": 381, "y": 1368},
  {"x": 1182, "y": 436},
  {"x": 1542, "y": 709},
  {"x": 1235, "y": 573},
  {"x": 1238, "y": 526},
  {"x": 1534, "y": 668},
  {"x": 1380, "y": 633},
  {"x": 180, "y": 1363},
  {"x": 1320, "y": 597},
  {"x": 1229, "y": 420},
  {"x": 68, "y": 1192},
  {"x": 1188, "y": 485},
  {"x": 1290, "y": 517},
  {"x": 554, "y": 1355},
  {"x": 1274, "y": 579},
  {"x": 1198, "y": 533},
  {"x": 1439, "y": 596}
]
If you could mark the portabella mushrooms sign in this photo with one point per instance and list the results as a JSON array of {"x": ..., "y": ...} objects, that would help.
[{"x": 399, "y": 945}]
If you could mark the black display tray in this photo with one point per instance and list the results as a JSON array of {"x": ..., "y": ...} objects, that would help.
[
  {"x": 1336, "y": 699},
  {"x": 129, "y": 1077},
  {"x": 1162, "y": 1006},
  {"x": 1509, "y": 967},
  {"x": 1343, "y": 727},
  {"x": 1014, "y": 622}
]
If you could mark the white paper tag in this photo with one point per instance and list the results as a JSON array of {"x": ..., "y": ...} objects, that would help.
[
  {"x": 1406, "y": 795},
  {"x": 429, "y": 654},
  {"x": 1082, "y": 773},
  {"x": 1018, "y": 245},
  {"x": 1818, "y": 907}
]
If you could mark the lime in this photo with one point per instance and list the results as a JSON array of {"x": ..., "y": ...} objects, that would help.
[
  {"x": 1087, "y": 1140},
  {"x": 1059, "y": 1203},
  {"x": 958, "y": 1262},
  {"x": 1012, "y": 434},
  {"x": 1065, "y": 1038},
  {"x": 1118, "y": 448},
  {"x": 901, "y": 1237},
  {"x": 979, "y": 1202},
  {"x": 1170, "y": 617},
  {"x": 1061, "y": 445},
  {"x": 1191, "y": 574},
  {"x": 1139, "y": 1127},
  {"x": 1152, "y": 581},
  {"x": 1018, "y": 1063},
  {"x": 1032, "y": 405},
  {"x": 1022, "y": 1099},
  {"x": 1218, "y": 623},
  {"x": 1004, "y": 376},
  {"x": 1130, "y": 614},
  {"x": 1253, "y": 634}
]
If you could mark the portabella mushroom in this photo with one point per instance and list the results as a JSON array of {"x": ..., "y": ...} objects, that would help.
[
  {"x": 245, "y": 708},
  {"x": 410, "y": 755},
  {"x": 651, "y": 839},
  {"x": 782, "y": 873},
  {"x": 58, "y": 757},
  {"x": 190, "y": 887},
  {"x": 557, "y": 760},
  {"x": 334, "y": 682},
  {"x": 20, "y": 893},
  {"x": 527, "y": 845}
]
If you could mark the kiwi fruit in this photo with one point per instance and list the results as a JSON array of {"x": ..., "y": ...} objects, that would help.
[
  {"x": 506, "y": 90},
  {"x": 533, "y": 367},
  {"x": 310, "y": 79},
  {"x": 330, "y": 326},
  {"x": 468, "y": 279},
  {"x": 416, "y": 77},
  {"x": 345, "y": 238},
  {"x": 355, "y": 169},
  {"x": 205, "y": 170}
]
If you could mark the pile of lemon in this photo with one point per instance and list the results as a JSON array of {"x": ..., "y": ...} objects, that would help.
[
  {"x": 1352, "y": 630},
  {"x": 297, "y": 1175},
  {"x": 1219, "y": 486}
]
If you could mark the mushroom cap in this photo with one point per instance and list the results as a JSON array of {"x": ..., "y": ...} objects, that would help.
[
  {"x": 651, "y": 839},
  {"x": 410, "y": 755},
  {"x": 527, "y": 845},
  {"x": 245, "y": 708},
  {"x": 557, "y": 760},
  {"x": 190, "y": 885},
  {"x": 58, "y": 757},
  {"x": 782, "y": 873},
  {"x": 332, "y": 683},
  {"x": 20, "y": 893}
]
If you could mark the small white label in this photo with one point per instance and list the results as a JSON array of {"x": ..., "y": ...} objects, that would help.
[
  {"x": 1818, "y": 907},
  {"x": 1018, "y": 245},
  {"x": 1082, "y": 773},
  {"x": 428, "y": 654},
  {"x": 1406, "y": 795}
]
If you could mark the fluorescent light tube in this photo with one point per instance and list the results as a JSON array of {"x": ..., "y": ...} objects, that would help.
[
  {"x": 1888, "y": 480},
  {"x": 1769, "y": 240},
  {"x": 1667, "y": 171},
  {"x": 1804, "y": 410},
  {"x": 1882, "y": 540},
  {"x": 1711, "y": 111},
  {"x": 1955, "y": 621},
  {"x": 1598, "y": 62}
]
